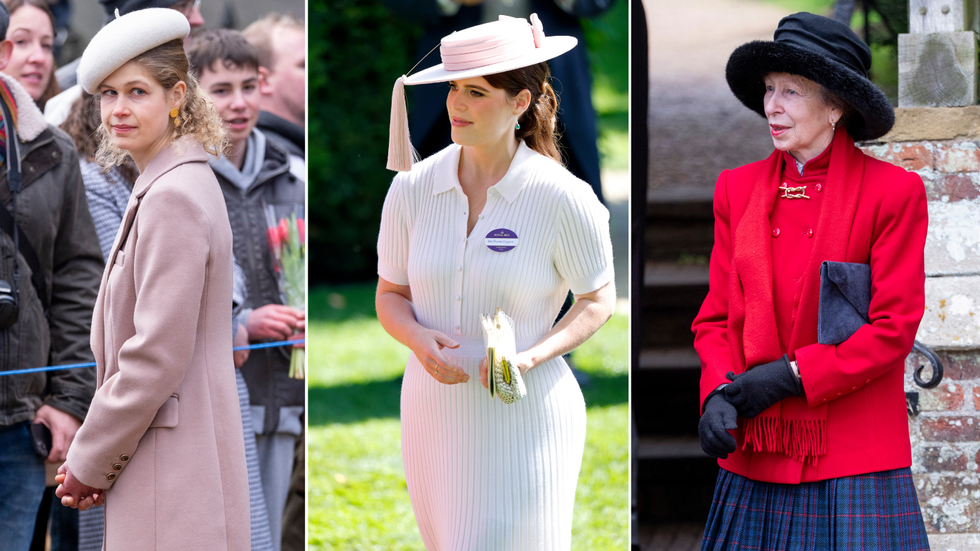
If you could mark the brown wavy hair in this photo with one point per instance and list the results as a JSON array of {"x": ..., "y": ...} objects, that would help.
[
  {"x": 198, "y": 117},
  {"x": 538, "y": 122}
]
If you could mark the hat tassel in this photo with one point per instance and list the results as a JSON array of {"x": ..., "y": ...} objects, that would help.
[{"x": 401, "y": 154}]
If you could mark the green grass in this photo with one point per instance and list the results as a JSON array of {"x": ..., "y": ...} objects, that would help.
[
  {"x": 819, "y": 7},
  {"x": 358, "y": 499}
]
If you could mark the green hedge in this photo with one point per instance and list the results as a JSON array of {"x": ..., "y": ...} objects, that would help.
[{"x": 357, "y": 50}]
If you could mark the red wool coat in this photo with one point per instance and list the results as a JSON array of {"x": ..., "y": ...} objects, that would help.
[{"x": 860, "y": 380}]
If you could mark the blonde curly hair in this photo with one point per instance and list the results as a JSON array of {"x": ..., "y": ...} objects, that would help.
[{"x": 197, "y": 117}]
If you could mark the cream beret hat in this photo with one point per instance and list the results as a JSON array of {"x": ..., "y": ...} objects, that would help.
[{"x": 126, "y": 37}]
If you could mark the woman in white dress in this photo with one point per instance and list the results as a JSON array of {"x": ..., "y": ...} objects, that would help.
[{"x": 493, "y": 220}]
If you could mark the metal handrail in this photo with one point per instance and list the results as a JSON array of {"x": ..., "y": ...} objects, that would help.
[{"x": 937, "y": 367}]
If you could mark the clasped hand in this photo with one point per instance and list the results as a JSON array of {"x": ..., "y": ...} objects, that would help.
[
  {"x": 520, "y": 361},
  {"x": 762, "y": 386},
  {"x": 748, "y": 395},
  {"x": 74, "y": 494},
  {"x": 427, "y": 344}
]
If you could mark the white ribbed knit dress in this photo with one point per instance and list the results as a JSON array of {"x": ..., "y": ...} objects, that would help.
[{"x": 484, "y": 475}]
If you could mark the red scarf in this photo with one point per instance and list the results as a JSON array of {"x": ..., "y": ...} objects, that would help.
[
  {"x": 9, "y": 100},
  {"x": 790, "y": 426}
]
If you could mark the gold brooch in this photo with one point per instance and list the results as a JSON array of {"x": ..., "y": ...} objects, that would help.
[{"x": 793, "y": 192}]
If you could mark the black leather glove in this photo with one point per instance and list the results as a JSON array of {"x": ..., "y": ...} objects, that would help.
[
  {"x": 755, "y": 390},
  {"x": 719, "y": 418}
]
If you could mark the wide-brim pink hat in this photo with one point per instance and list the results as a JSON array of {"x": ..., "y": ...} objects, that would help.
[{"x": 496, "y": 47}]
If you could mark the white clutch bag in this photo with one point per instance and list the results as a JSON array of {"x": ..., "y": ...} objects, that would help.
[{"x": 503, "y": 379}]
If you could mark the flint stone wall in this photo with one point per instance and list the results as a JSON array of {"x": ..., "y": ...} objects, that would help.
[{"x": 942, "y": 145}]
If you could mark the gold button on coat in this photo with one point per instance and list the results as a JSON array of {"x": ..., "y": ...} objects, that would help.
[
  {"x": 124, "y": 457},
  {"x": 110, "y": 477},
  {"x": 116, "y": 466}
]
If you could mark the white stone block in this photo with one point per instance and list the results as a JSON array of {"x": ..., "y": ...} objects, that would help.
[
  {"x": 953, "y": 238},
  {"x": 952, "y": 315}
]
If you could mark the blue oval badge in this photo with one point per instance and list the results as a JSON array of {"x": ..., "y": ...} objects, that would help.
[{"x": 501, "y": 240}]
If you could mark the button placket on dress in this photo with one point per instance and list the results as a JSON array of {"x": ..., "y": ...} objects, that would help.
[
  {"x": 461, "y": 252},
  {"x": 460, "y": 261}
]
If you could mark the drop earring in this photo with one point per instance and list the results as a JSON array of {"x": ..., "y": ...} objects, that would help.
[{"x": 517, "y": 126}]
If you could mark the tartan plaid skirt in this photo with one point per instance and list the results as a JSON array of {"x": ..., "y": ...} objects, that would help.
[{"x": 878, "y": 511}]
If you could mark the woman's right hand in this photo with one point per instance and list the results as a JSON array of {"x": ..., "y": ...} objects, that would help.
[
  {"x": 393, "y": 303},
  {"x": 427, "y": 345},
  {"x": 719, "y": 418}
]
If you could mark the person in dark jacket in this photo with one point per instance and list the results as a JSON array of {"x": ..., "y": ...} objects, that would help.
[
  {"x": 52, "y": 215},
  {"x": 571, "y": 73},
  {"x": 254, "y": 176},
  {"x": 280, "y": 42}
]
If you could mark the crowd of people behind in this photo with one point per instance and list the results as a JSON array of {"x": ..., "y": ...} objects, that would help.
[{"x": 68, "y": 210}]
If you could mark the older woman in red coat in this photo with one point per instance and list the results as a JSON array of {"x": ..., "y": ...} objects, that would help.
[{"x": 812, "y": 438}]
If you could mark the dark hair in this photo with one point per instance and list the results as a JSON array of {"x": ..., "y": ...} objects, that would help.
[
  {"x": 224, "y": 45},
  {"x": 52, "y": 88},
  {"x": 538, "y": 121},
  {"x": 82, "y": 126}
]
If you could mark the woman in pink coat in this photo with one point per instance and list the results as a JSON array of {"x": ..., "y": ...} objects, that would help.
[{"x": 162, "y": 445}]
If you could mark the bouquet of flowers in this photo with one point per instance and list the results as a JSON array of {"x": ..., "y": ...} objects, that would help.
[{"x": 287, "y": 240}]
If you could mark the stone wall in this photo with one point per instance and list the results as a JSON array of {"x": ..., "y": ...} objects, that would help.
[{"x": 942, "y": 145}]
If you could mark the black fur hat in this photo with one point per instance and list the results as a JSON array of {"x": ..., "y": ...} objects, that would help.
[{"x": 824, "y": 51}]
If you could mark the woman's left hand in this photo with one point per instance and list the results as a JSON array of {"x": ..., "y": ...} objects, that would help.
[
  {"x": 762, "y": 386},
  {"x": 74, "y": 494},
  {"x": 521, "y": 361}
]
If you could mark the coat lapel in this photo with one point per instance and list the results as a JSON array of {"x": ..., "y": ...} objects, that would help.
[
  {"x": 751, "y": 286},
  {"x": 183, "y": 151}
]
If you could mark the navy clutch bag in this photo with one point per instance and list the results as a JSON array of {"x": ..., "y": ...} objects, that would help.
[{"x": 845, "y": 294}]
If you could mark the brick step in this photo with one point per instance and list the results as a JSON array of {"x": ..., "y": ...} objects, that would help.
[
  {"x": 669, "y": 358},
  {"x": 668, "y": 447},
  {"x": 668, "y": 326},
  {"x": 695, "y": 209},
  {"x": 671, "y": 536},
  {"x": 665, "y": 402},
  {"x": 674, "y": 240},
  {"x": 680, "y": 195},
  {"x": 658, "y": 301},
  {"x": 675, "y": 488},
  {"x": 670, "y": 274}
]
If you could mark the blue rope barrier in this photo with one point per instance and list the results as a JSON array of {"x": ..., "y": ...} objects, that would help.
[{"x": 92, "y": 364}]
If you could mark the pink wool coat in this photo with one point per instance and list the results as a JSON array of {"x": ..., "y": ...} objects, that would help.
[{"x": 164, "y": 432}]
